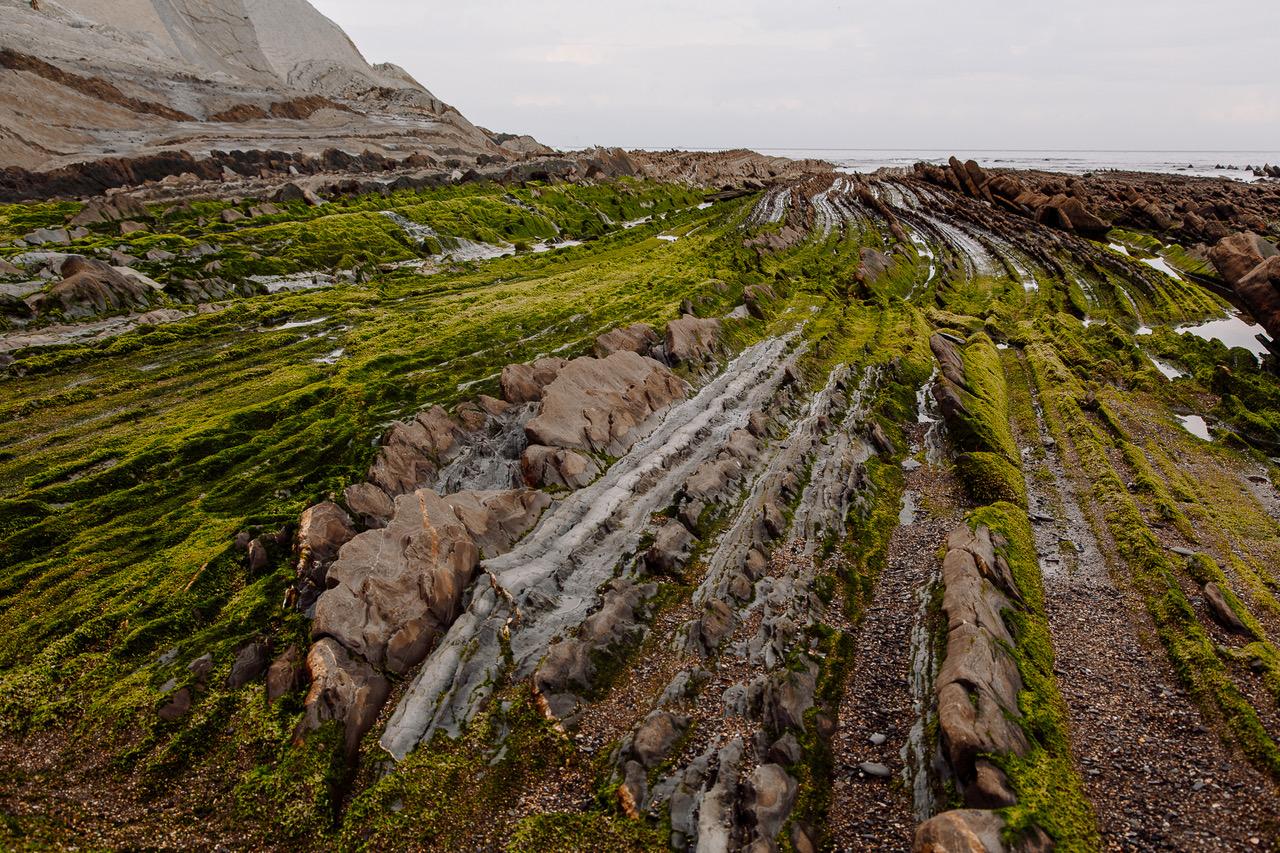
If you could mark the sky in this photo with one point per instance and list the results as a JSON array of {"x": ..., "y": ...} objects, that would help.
[{"x": 793, "y": 74}]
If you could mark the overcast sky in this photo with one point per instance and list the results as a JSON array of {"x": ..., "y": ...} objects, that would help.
[{"x": 962, "y": 74}]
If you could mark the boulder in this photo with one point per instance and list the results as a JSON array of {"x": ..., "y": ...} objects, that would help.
[
  {"x": 692, "y": 340},
  {"x": 177, "y": 707},
  {"x": 8, "y": 269},
  {"x": 129, "y": 226},
  {"x": 1260, "y": 293},
  {"x": 250, "y": 663},
  {"x": 603, "y": 405},
  {"x": 285, "y": 674},
  {"x": 715, "y": 481},
  {"x": 344, "y": 689},
  {"x": 638, "y": 338},
  {"x": 496, "y": 520},
  {"x": 1222, "y": 612},
  {"x": 44, "y": 236},
  {"x": 414, "y": 451},
  {"x": 978, "y": 683},
  {"x": 655, "y": 737},
  {"x": 553, "y": 466},
  {"x": 712, "y": 627},
  {"x": 671, "y": 549},
  {"x": 322, "y": 530},
  {"x": 394, "y": 590},
  {"x": 772, "y": 798},
  {"x": 1236, "y": 256},
  {"x": 292, "y": 192},
  {"x": 788, "y": 695},
  {"x": 523, "y": 383},
  {"x": 961, "y": 831},
  {"x": 91, "y": 287},
  {"x": 370, "y": 504}
]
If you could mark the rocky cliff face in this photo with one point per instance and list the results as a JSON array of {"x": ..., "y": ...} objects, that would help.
[{"x": 85, "y": 78}]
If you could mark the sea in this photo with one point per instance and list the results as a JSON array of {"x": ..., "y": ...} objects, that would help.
[{"x": 1208, "y": 164}]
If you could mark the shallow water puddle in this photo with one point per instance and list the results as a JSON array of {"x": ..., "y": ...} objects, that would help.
[
  {"x": 1170, "y": 372},
  {"x": 1233, "y": 331},
  {"x": 907, "y": 515},
  {"x": 295, "y": 324},
  {"x": 1195, "y": 425},
  {"x": 1163, "y": 266}
]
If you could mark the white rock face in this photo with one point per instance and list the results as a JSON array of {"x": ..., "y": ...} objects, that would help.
[{"x": 202, "y": 58}]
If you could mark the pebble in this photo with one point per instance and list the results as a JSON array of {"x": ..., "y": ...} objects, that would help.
[
  {"x": 875, "y": 769},
  {"x": 878, "y": 739}
]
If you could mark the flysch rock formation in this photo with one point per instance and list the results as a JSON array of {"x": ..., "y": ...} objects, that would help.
[
  {"x": 88, "y": 78},
  {"x": 381, "y": 600}
]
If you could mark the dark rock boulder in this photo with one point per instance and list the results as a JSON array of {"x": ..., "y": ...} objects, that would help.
[
  {"x": 286, "y": 674},
  {"x": 249, "y": 665},
  {"x": 1222, "y": 612}
]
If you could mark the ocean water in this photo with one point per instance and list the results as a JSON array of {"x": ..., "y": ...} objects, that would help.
[{"x": 1195, "y": 163}]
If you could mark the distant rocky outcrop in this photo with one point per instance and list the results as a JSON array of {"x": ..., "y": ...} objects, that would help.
[
  {"x": 87, "y": 79},
  {"x": 1059, "y": 210}
]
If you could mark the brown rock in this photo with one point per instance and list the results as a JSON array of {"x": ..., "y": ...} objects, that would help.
[
  {"x": 322, "y": 531},
  {"x": 344, "y": 689},
  {"x": 961, "y": 831},
  {"x": 394, "y": 590},
  {"x": 91, "y": 287},
  {"x": 1235, "y": 257},
  {"x": 638, "y": 338},
  {"x": 671, "y": 549},
  {"x": 250, "y": 663},
  {"x": 371, "y": 504},
  {"x": 413, "y": 451},
  {"x": 691, "y": 340},
  {"x": 523, "y": 383},
  {"x": 1221, "y": 611},
  {"x": 553, "y": 466},
  {"x": 655, "y": 737},
  {"x": 496, "y": 520},
  {"x": 773, "y": 794},
  {"x": 285, "y": 674},
  {"x": 177, "y": 707},
  {"x": 978, "y": 684},
  {"x": 1260, "y": 292},
  {"x": 603, "y": 405}
]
